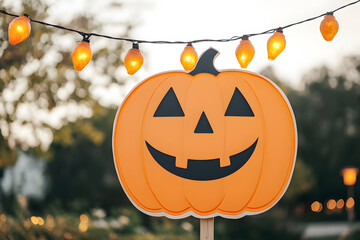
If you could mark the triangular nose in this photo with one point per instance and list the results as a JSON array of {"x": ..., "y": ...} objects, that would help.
[{"x": 203, "y": 125}]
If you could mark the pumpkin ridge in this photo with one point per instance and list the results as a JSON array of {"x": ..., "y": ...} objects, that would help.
[
  {"x": 224, "y": 124},
  {"x": 182, "y": 141},
  {"x": 289, "y": 173},
  {"x": 164, "y": 209},
  {"x": 224, "y": 142},
  {"x": 127, "y": 189},
  {"x": 212, "y": 211},
  {"x": 291, "y": 167},
  {"x": 141, "y": 139},
  {"x": 193, "y": 88},
  {"x": 120, "y": 174},
  {"x": 263, "y": 140},
  {"x": 278, "y": 195}
]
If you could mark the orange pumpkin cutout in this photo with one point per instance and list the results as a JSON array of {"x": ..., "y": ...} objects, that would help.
[{"x": 205, "y": 143}]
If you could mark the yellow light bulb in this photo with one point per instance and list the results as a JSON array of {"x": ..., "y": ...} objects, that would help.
[
  {"x": 276, "y": 44},
  {"x": 19, "y": 29},
  {"x": 133, "y": 60},
  {"x": 189, "y": 57},
  {"x": 329, "y": 27},
  {"x": 245, "y": 52},
  {"x": 81, "y": 55}
]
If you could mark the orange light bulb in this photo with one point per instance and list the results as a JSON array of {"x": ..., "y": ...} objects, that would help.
[
  {"x": 19, "y": 29},
  {"x": 189, "y": 57},
  {"x": 133, "y": 59},
  {"x": 329, "y": 27},
  {"x": 245, "y": 52},
  {"x": 349, "y": 175},
  {"x": 276, "y": 44},
  {"x": 82, "y": 54}
]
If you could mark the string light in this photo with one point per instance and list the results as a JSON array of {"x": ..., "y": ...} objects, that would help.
[
  {"x": 245, "y": 52},
  {"x": 82, "y": 54},
  {"x": 133, "y": 59},
  {"x": 19, "y": 29},
  {"x": 276, "y": 44},
  {"x": 189, "y": 57},
  {"x": 329, "y": 27}
]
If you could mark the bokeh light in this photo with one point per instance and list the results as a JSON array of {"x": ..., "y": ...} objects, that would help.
[
  {"x": 40, "y": 221},
  {"x": 331, "y": 204},
  {"x": 350, "y": 203},
  {"x": 340, "y": 204},
  {"x": 84, "y": 218},
  {"x": 34, "y": 220},
  {"x": 84, "y": 223},
  {"x": 316, "y": 207},
  {"x": 3, "y": 217}
]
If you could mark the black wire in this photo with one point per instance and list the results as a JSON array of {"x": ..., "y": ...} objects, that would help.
[
  {"x": 86, "y": 35},
  {"x": 306, "y": 20},
  {"x": 349, "y": 4}
]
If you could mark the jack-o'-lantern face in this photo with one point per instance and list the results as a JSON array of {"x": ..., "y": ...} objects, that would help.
[
  {"x": 200, "y": 163},
  {"x": 205, "y": 143}
]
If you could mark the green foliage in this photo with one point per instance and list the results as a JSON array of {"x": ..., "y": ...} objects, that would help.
[
  {"x": 328, "y": 119},
  {"x": 82, "y": 173},
  {"x": 303, "y": 181},
  {"x": 67, "y": 226},
  {"x": 40, "y": 92}
]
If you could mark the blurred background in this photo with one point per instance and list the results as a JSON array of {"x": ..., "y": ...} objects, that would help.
[{"x": 57, "y": 178}]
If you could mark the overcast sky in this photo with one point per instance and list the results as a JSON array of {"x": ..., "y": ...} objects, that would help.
[
  {"x": 306, "y": 49},
  {"x": 195, "y": 19}
]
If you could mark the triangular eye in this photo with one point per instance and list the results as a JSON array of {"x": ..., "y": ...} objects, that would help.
[
  {"x": 169, "y": 106},
  {"x": 238, "y": 106}
]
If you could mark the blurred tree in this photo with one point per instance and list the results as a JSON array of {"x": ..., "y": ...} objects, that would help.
[
  {"x": 328, "y": 120},
  {"x": 41, "y": 93},
  {"x": 82, "y": 174},
  {"x": 302, "y": 182}
]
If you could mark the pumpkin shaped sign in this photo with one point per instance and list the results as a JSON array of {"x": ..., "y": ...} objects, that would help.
[{"x": 205, "y": 143}]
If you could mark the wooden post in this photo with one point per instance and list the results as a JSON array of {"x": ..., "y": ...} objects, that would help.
[{"x": 207, "y": 229}]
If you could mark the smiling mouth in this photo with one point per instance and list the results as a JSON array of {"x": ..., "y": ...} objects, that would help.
[{"x": 202, "y": 170}]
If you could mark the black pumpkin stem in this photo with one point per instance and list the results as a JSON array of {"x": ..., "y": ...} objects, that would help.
[{"x": 206, "y": 63}]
